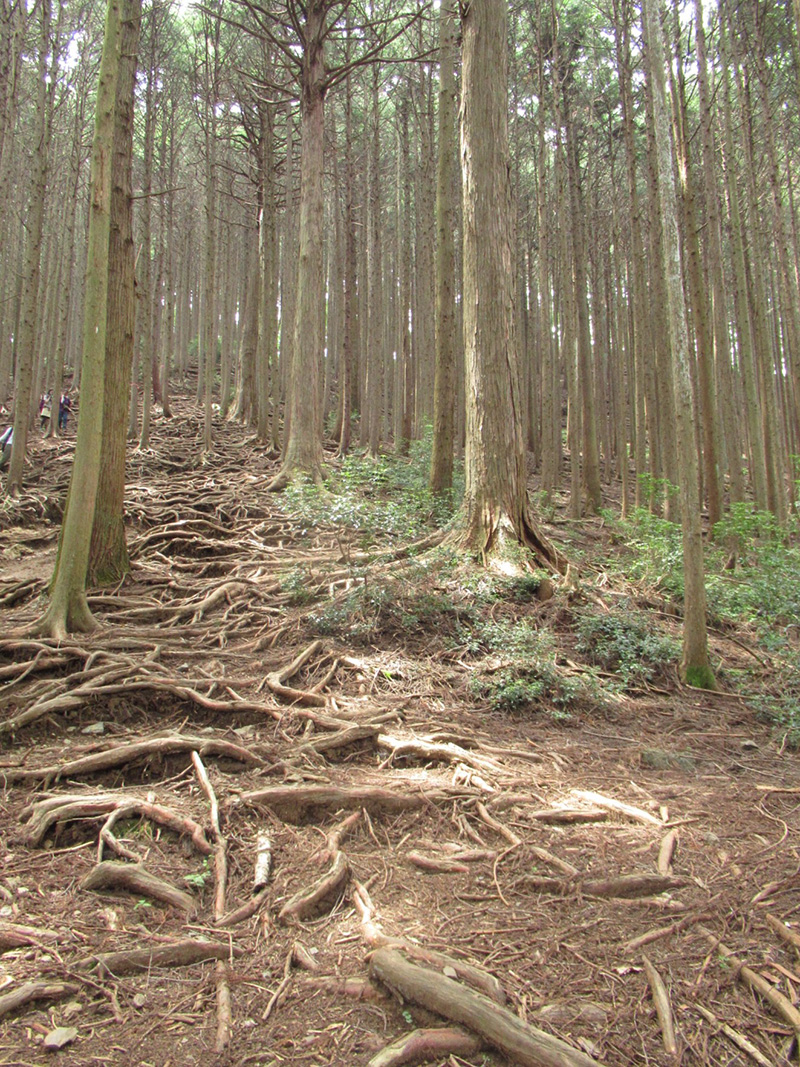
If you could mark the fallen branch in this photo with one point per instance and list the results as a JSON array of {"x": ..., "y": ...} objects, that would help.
[
  {"x": 502, "y": 1029},
  {"x": 738, "y": 1039},
  {"x": 782, "y": 1005},
  {"x": 422, "y": 1046},
  {"x": 175, "y": 954},
  {"x": 135, "y": 879},
  {"x": 627, "y": 885},
  {"x": 601, "y": 801},
  {"x": 663, "y": 1007},
  {"x": 24, "y": 994}
]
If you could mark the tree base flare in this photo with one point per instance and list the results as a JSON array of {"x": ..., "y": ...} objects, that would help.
[
  {"x": 699, "y": 677},
  {"x": 506, "y": 546}
]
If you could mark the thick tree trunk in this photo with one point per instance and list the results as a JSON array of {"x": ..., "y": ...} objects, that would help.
[
  {"x": 303, "y": 455},
  {"x": 495, "y": 520},
  {"x": 68, "y": 609},
  {"x": 108, "y": 555}
]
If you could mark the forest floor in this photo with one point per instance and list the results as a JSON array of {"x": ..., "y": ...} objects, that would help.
[{"x": 451, "y": 787}]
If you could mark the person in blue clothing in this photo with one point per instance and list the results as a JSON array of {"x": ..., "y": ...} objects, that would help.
[{"x": 64, "y": 408}]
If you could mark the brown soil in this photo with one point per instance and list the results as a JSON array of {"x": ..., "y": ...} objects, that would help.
[{"x": 492, "y": 802}]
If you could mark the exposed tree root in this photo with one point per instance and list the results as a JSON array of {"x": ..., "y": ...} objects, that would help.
[
  {"x": 122, "y": 755},
  {"x": 631, "y": 885},
  {"x": 294, "y": 802},
  {"x": 135, "y": 879},
  {"x": 422, "y": 1046},
  {"x": 54, "y": 811},
  {"x": 502, "y": 1029},
  {"x": 174, "y": 954}
]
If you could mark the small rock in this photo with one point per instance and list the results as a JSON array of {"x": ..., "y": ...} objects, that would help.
[
  {"x": 139, "y": 1000},
  {"x": 449, "y": 972},
  {"x": 94, "y": 728},
  {"x": 58, "y": 1038},
  {"x": 750, "y": 745},
  {"x": 71, "y": 1008}
]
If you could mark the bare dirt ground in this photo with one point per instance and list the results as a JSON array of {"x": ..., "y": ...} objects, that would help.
[{"x": 421, "y": 845}]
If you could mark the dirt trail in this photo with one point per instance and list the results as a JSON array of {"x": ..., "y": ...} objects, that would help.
[{"x": 258, "y": 809}]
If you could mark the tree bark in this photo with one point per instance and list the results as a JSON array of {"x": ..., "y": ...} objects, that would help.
[{"x": 494, "y": 521}]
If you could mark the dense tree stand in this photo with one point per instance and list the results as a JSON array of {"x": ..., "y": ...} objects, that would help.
[{"x": 494, "y": 521}]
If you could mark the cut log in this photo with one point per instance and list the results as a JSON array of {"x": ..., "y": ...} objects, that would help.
[
  {"x": 499, "y": 1027},
  {"x": 135, "y": 879}
]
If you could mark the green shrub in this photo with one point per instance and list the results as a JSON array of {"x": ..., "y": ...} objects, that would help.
[
  {"x": 625, "y": 642},
  {"x": 383, "y": 497}
]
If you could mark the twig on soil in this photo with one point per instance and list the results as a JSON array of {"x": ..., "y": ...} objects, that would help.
[
  {"x": 738, "y": 1039},
  {"x": 663, "y": 1007},
  {"x": 782, "y": 1005},
  {"x": 224, "y": 1024}
]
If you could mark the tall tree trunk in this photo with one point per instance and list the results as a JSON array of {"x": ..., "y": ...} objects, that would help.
[
  {"x": 444, "y": 383},
  {"x": 26, "y": 334},
  {"x": 695, "y": 666},
  {"x": 303, "y": 454},
  {"x": 68, "y": 609},
  {"x": 495, "y": 520},
  {"x": 108, "y": 556}
]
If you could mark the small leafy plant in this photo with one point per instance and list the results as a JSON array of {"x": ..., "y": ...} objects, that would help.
[{"x": 625, "y": 642}]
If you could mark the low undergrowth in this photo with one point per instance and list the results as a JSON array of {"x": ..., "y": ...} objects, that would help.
[{"x": 386, "y": 497}]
